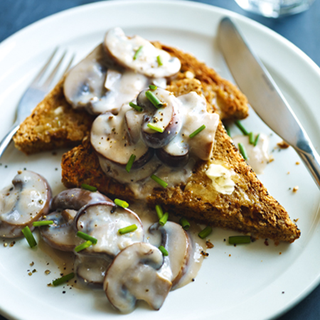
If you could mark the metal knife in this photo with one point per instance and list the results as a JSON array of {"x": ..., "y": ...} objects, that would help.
[{"x": 264, "y": 95}]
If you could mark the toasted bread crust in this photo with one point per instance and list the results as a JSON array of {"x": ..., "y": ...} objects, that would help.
[{"x": 50, "y": 127}]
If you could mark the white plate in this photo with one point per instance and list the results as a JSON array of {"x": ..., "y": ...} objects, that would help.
[{"x": 243, "y": 282}]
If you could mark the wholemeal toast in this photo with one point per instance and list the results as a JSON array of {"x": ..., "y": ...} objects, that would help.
[
  {"x": 55, "y": 124},
  {"x": 249, "y": 209}
]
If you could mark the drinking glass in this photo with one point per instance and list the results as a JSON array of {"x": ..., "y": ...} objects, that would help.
[{"x": 274, "y": 8}]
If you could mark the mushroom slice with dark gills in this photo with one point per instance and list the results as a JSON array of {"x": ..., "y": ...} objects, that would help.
[
  {"x": 193, "y": 112},
  {"x": 110, "y": 139},
  {"x": 140, "y": 55},
  {"x": 91, "y": 269},
  {"x": 61, "y": 234},
  {"x": 103, "y": 221},
  {"x": 160, "y": 123},
  {"x": 23, "y": 202},
  {"x": 98, "y": 84},
  {"x": 137, "y": 273},
  {"x": 76, "y": 198},
  {"x": 178, "y": 244}
]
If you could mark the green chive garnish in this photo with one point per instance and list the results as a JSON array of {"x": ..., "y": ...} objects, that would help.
[
  {"x": 63, "y": 279},
  {"x": 155, "y": 128},
  {"x": 160, "y": 181},
  {"x": 243, "y": 151},
  {"x": 163, "y": 220},
  {"x": 193, "y": 134},
  {"x": 159, "y": 61},
  {"x": 163, "y": 250},
  {"x": 239, "y": 239},
  {"x": 153, "y": 87},
  {"x": 29, "y": 236},
  {"x": 205, "y": 232},
  {"x": 241, "y": 127},
  {"x": 121, "y": 203},
  {"x": 42, "y": 223},
  {"x": 184, "y": 223},
  {"x": 85, "y": 236},
  {"x": 251, "y": 138},
  {"x": 137, "y": 53},
  {"x": 88, "y": 187},
  {"x": 153, "y": 99},
  {"x": 130, "y": 162},
  {"x": 159, "y": 211},
  {"x": 256, "y": 140},
  {"x": 83, "y": 246},
  {"x": 128, "y": 229},
  {"x": 228, "y": 131},
  {"x": 135, "y": 106}
]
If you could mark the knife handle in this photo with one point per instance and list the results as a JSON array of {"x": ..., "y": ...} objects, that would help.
[{"x": 311, "y": 159}]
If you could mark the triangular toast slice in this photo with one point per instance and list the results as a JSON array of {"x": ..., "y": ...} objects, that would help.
[
  {"x": 249, "y": 209},
  {"x": 55, "y": 124}
]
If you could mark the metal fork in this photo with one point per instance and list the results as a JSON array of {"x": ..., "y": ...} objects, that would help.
[{"x": 33, "y": 95}]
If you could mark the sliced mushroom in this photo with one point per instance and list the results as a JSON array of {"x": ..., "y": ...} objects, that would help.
[
  {"x": 124, "y": 50},
  {"x": 91, "y": 270},
  {"x": 136, "y": 274},
  {"x": 98, "y": 84},
  {"x": 194, "y": 111},
  {"x": 110, "y": 140},
  {"x": 178, "y": 244},
  {"x": 165, "y": 118},
  {"x": 23, "y": 202},
  {"x": 103, "y": 221},
  {"x": 61, "y": 234},
  {"x": 76, "y": 198}
]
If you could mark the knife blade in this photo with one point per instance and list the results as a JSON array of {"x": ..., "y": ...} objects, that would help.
[{"x": 264, "y": 95}]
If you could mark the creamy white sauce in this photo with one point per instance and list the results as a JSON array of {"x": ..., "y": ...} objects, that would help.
[{"x": 258, "y": 156}]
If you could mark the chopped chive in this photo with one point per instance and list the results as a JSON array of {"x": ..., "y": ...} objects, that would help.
[
  {"x": 135, "y": 106},
  {"x": 163, "y": 220},
  {"x": 29, "y": 236},
  {"x": 243, "y": 151},
  {"x": 152, "y": 87},
  {"x": 163, "y": 250},
  {"x": 256, "y": 140},
  {"x": 85, "y": 236},
  {"x": 128, "y": 229},
  {"x": 159, "y": 211},
  {"x": 239, "y": 239},
  {"x": 155, "y": 128},
  {"x": 160, "y": 181},
  {"x": 63, "y": 279},
  {"x": 251, "y": 138},
  {"x": 241, "y": 127},
  {"x": 184, "y": 223},
  {"x": 159, "y": 61},
  {"x": 153, "y": 99},
  {"x": 137, "y": 53},
  {"x": 88, "y": 187},
  {"x": 121, "y": 203},
  {"x": 205, "y": 232},
  {"x": 130, "y": 163},
  {"x": 194, "y": 133},
  {"x": 42, "y": 223},
  {"x": 228, "y": 131},
  {"x": 83, "y": 246}
]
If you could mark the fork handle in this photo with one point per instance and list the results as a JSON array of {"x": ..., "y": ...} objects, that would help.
[{"x": 8, "y": 137}]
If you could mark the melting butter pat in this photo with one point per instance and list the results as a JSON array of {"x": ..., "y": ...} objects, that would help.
[{"x": 221, "y": 178}]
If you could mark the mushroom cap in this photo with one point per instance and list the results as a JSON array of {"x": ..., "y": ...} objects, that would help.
[
  {"x": 137, "y": 274},
  {"x": 103, "y": 221},
  {"x": 23, "y": 202},
  {"x": 123, "y": 49}
]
